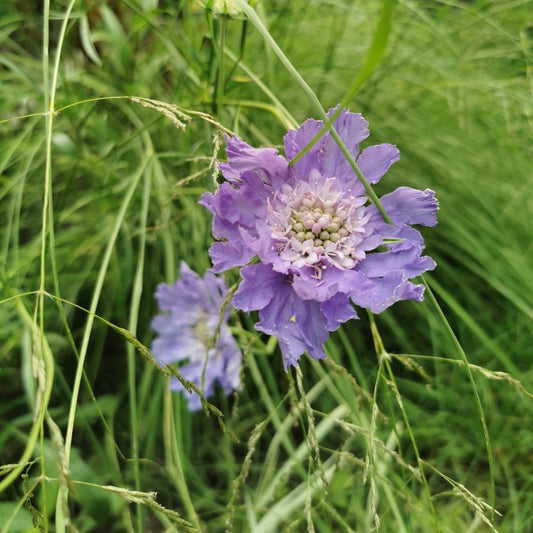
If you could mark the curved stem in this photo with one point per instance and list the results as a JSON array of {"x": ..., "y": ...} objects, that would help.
[{"x": 258, "y": 23}]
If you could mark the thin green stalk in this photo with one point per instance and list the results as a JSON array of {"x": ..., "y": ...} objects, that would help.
[
  {"x": 294, "y": 459},
  {"x": 468, "y": 321},
  {"x": 63, "y": 493},
  {"x": 273, "y": 413},
  {"x": 220, "y": 77},
  {"x": 39, "y": 307},
  {"x": 132, "y": 327},
  {"x": 173, "y": 459},
  {"x": 371, "y": 455},
  {"x": 47, "y": 217},
  {"x": 284, "y": 113},
  {"x": 57, "y": 111},
  {"x": 280, "y": 509},
  {"x": 373, "y": 58},
  {"x": 477, "y": 399},
  {"x": 261, "y": 28},
  {"x": 376, "y": 51},
  {"x": 46, "y": 56},
  {"x": 43, "y": 391},
  {"x": 384, "y": 357}
]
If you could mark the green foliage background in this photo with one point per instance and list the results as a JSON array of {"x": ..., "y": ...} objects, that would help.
[{"x": 420, "y": 419}]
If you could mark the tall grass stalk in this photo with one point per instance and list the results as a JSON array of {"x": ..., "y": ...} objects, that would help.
[
  {"x": 47, "y": 217},
  {"x": 132, "y": 327},
  {"x": 317, "y": 106}
]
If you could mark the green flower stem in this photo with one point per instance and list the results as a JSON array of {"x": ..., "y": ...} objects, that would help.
[
  {"x": 281, "y": 111},
  {"x": 477, "y": 399},
  {"x": 132, "y": 327},
  {"x": 376, "y": 51},
  {"x": 173, "y": 457},
  {"x": 47, "y": 218},
  {"x": 374, "y": 56},
  {"x": 384, "y": 361},
  {"x": 261, "y": 28},
  {"x": 220, "y": 76},
  {"x": 63, "y": 493},
  {"x": 43, "y": 395}
]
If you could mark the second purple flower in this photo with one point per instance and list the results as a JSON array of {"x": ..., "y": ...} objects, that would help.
[{"x": 318, "y": 241}]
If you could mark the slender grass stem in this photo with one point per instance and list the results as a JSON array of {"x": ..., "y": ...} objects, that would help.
[
  {"x": 132, "y": 327},
  {"x": 373, "y": 58},
  {"x": 311, "y": 96},
  {"x": 475, "y": 391},
  {"x": 383, "y": 357},
  {"x": 223, "y": 27},
  {"x": 47, "y": 218},
  {"x": 90, "y": 318},
  {"x": 174, "y": 459},
  {"x": 282, "y": 111},
  {"x": 44, "y": 392}
]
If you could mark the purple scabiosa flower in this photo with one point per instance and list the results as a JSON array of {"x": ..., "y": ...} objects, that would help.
[
  {"x": 316, "y": 242},
  {"x": 191, "y": 331}
]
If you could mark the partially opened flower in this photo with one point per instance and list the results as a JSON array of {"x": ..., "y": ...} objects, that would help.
[
  {"x": 191, "y": 332},
  {"x": 315, "y": 239}
]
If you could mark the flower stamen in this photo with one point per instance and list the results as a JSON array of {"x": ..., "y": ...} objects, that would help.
[{"x": 319, "y": 225}]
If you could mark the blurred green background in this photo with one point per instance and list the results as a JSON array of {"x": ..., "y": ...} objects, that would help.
[{"x": 99, "y": 205}]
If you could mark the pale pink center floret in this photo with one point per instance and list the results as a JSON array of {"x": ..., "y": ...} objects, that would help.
[
  {"x": 203, "y": 334},
  {"x": 317, "y": 223}
]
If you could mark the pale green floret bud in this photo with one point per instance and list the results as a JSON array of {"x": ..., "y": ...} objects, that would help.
[
  {"x": 322, "y": 223},
  {"x": 298, "y": 227},
  {"x": 201, "y": 332},
  {"x": 229, "y": 8}
]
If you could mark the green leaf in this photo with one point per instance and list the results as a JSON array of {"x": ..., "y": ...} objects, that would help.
[
  {"x": 15, "y": 518},
  {"x": 87, "y": 42}
]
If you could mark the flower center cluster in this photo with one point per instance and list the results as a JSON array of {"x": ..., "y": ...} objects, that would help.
[
  {"x": 317, "y": 223},
  {"x": 313, "y": 221},
  {"x": 201, "y": 331}
]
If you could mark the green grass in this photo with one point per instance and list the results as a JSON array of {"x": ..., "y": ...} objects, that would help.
[{"x": 99, "y": 204}]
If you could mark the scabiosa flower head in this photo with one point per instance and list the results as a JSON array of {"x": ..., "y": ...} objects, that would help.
[
  {"x": 319, "y": 241},
  {"x": 191, "y": 331}
]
